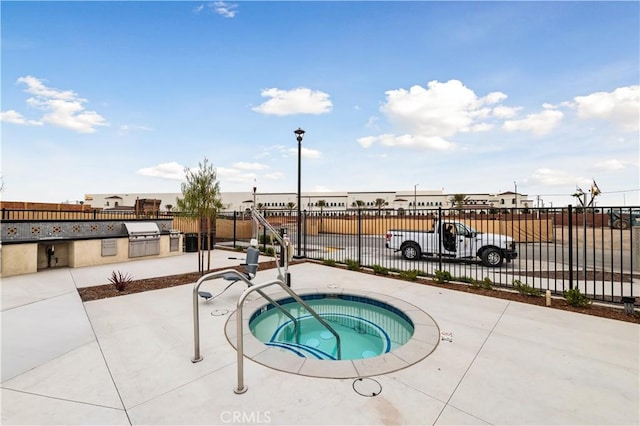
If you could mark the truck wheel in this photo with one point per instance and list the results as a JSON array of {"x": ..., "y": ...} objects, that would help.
[
  {"x": 620, "y": 224},
  {"x": 411, "y": 251},
  {"x": 492, "y": 257}
]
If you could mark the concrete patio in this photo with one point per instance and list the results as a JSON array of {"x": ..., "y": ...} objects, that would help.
[{"x": 127, "y": 360}]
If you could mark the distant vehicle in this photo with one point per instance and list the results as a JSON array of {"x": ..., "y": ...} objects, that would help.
[
  {"x": 624, "y": 218},
  {"x": 458, "y": 240}
]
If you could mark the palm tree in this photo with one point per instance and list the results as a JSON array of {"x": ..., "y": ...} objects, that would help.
[
  {"x": 379, "y": 203},
  {"x": 201, "y": 201},
  {"x": 357, "y": 203},
  {"x": 458, "y": 201},
  {"x": 322, "y": 204},
  {"x": 168, "y": 207},
  {"x": 290, "y": 206}
]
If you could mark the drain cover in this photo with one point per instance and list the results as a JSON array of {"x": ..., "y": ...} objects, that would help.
[
  {"x": 219, "y": 312},
  {"x": 367, "y": 387}
]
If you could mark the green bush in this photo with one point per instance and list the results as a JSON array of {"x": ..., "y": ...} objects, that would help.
[
  {"x": 486, "y": 283},
  {"x": 575, "y": 298},
  {"x": 269, "y": 251},
  {"x": 265, "y": 239},
  {"x": 465, "y": 279},
  {"x": 411, "y": 275},
  {"x": 380, "y": 270},
  {"x": 524, "y": 288},
  {"x": 329, "y": 262},
  {"x": 120, "y": 280},
  {"x": 352, "y": 265},
  {"x": 442, "y": 276}
]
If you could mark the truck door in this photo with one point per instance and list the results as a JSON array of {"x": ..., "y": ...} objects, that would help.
[
  {"x": 465, "y": 244},
  {"x": 449, "y": 240}
]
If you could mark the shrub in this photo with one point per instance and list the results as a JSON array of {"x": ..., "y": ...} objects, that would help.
[
  {"x": 120, "y": 280},
  {"x": 329, "y": 262},
  {"x": 380, "y": 270},
  {"x": 486, "y": 283},
  {"x": 269, "y": 251},
  {"x": 411, "y": 275},
  {"x": 352, "y": 265},
  {"x": 524, "y": 288},
  {"x": 465, "y": 279},
  {"x": 575, "y": 298},
  {"x": 265, "y": 239},
  {"x": 442, "y": 276}
]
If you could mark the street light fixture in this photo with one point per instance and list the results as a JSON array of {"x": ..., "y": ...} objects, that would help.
[{"x": 299, "y": 135}]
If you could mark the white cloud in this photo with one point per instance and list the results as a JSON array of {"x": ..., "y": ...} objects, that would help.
[
  {"x": 539, "y": 124},
  {"x": 428, "y": 117},
  {"x": 621, "y": 107},
  {"x": 503, "y": 112},
  {"x": 610, "y": 165},
  {"x": 228, "y": 10},
  {"x": 15, "y": 117},
  {"x": 126, "y": 129},
  {"x": 62, "y": 108},
  {"x": 172, "y": 170},
  {"x": 367, "y": 141},
  {"x": 222, "y": 8},
  {"x": 307, "y": 153},
  {"x": 296, "y": 101},
  {"x": 549, "y": 177},
  {"x": 249, "y": 166},
  {"x": 274, "y": 176}
]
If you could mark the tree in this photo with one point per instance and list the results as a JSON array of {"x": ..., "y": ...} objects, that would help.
[
  {"x": 322, "y": 204},
  {"x": 379, "y": 203},
  {"x": 357, "y": 203},
  {"x": 290, "y": 206},
  {"x": 459, "y": 200},
  {"x": 201, "y": 201},
  {"x": 168, "y": 207}
]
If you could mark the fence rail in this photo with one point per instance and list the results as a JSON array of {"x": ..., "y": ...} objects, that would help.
[
  {"x": 596, "y": 251},
  {"x": 558, "y": 249}
]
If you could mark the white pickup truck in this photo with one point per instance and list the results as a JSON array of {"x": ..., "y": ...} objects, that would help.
[{"x": 455, "y": 240}]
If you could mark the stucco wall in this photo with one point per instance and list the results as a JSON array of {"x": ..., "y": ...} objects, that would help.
[
  {"x": 26, "y": 258},
  {"x": 19, "y": 259}
]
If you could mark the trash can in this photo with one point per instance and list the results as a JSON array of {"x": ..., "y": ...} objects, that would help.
[
  {"x": 204, "y": 241},
  {"x": 190, "y": 242}
]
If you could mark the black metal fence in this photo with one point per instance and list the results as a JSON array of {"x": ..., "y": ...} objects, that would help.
[{"x": 594, "y": 250}]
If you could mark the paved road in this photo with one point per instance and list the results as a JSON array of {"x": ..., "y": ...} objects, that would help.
[{"x": 341, "y": 247}]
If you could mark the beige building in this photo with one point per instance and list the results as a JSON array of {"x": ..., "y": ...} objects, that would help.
[{"x": 333, "y": 201}]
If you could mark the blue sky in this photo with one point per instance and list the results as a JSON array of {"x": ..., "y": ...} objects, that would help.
[{"x": 469, "y": 97}]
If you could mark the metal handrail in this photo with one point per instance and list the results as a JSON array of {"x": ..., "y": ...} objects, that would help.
[
  {"x": 241, "y": 388},
  {"x": 255, "y": 214},
  {"x": 197, "y": 357}
]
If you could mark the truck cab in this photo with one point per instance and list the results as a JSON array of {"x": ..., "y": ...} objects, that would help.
[{"x": 454, "y": 240}]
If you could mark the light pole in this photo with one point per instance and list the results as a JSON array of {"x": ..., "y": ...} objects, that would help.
[
  {"x": 299, "y": 134},
  {"x": 515, "y": 185},
  {"x": 415, "y": 198}
]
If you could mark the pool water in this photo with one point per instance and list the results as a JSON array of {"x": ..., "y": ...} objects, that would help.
[{"x": 367, "y": 327}]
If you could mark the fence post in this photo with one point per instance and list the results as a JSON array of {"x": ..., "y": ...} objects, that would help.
[
  {"x": 304, "y": 232},
  {"x": 635, "y": 249},
  {"x": 235, "y": 223},
  {"x": 359, "y": 236},
  {"x": 439, "y": 223},
  {"x": 570, "y": 222}
]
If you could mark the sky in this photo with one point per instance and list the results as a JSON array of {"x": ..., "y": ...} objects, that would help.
[{"x": 464, "y": 97}]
